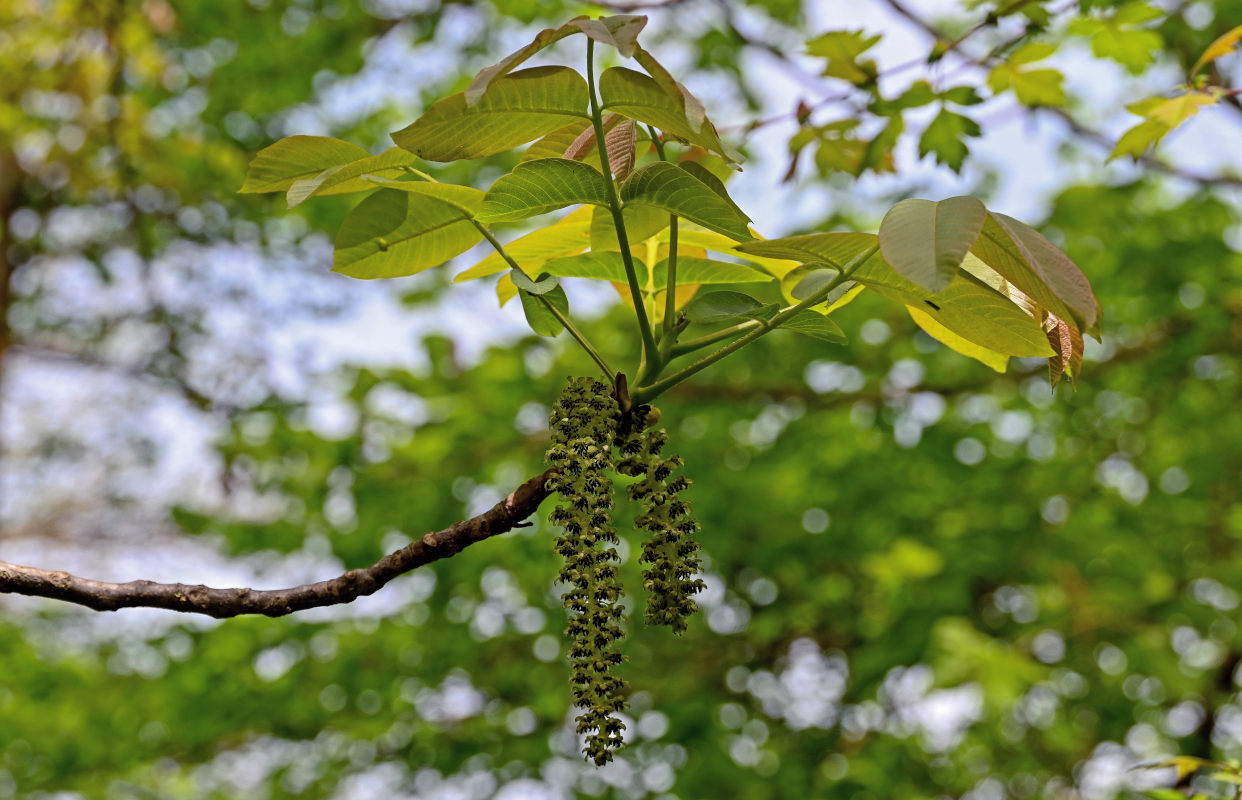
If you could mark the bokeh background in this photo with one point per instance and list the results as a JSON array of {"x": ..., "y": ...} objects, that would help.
[{"x": 925, "y": 580}]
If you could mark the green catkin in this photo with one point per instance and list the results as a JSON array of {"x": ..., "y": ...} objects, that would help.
[
  {"x": 584, "y": 422},
  {"x": 670, "y": 555}
]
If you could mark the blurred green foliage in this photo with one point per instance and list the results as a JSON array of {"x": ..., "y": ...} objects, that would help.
[{"x": 924, "y": 580}]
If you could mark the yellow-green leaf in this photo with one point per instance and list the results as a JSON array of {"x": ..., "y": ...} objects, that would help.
[
  {"x": 677, "y": 191},
  {"x": 1222, "y": 46},
  {"x": 278, "y": 166},
  {"x": 351, "y": 177},
  {"x": 537, "y": 187},
  {"x": 637, "y": 96},
  {"x": 514, "y": 110},
  {"x": 395, "y": 233},
  {"x": 566, "y": 236},
  {"x": 989, "y": 358}
]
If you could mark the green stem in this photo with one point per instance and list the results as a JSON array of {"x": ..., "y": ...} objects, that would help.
[
  {"x": 713, "y": 337},
  {"x": 609, "y": 372},
  {"x": 645, "y": 394},
  {"x": 670, "y": 284},
  {"x": 578, "y": 335},
  {"x": 650, "y": 354}
]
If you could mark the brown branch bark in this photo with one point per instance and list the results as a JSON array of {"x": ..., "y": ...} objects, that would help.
[{"x": 223, "y": 603}]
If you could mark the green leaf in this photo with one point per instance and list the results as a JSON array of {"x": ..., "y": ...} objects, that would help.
[
  {"x": 1222, "y": 46},
  {"x": 920, "y": 93},
  {"x": 537, "y": 187},
  {"x": 842, "y": 49},
  {"x": 278, "y": 166},
  {"x": 566, "y": 236},
  {"x": 972, "y": 310},
  {"x": 541, "y": 320},
  {"x": 926, "y": 241},
  {"x": 606, "y": 266},
  {"x": 351, "y": 177},
  {"x": 514, "y": 110},
  {"x": 946, "y": 137},
  {"x": 694, "y": 270},
  {"x": 465, "y": 199},
  {"x": 968, "y": 307},
  {"x": 672, "y": 188},
  {"x": 833, "y": 249},
  {"x": 1037, "y": 267},
  {"x": 687, "y": 103},
  {"x": 1119, "y": 37},
  {"x": 817, "y": 326},
  {"x": 524, "y": 283},
  {"x": 394, "y": 233},
  {"x": 1032, "y": 87},
  {"x": 619, "y": 31},
  {"x": 722, "y": 306},
  {"x": 962, "y": 96},
  {"x": 637, "y": 96},
  {"x": 1162, "y": 115},
  {"x": 711, "y": 181},
  {"x": 483, "y": 81},
  {"x": 1139, "y": 139},
  {"x": 641, "y": 223},
  {"x": 989, "y": 358}
]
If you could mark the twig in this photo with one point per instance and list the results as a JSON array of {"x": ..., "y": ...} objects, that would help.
[{"x": 223, "y": 603}]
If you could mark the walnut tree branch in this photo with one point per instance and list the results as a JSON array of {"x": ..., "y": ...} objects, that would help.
[{"x": 223, "y": 603}]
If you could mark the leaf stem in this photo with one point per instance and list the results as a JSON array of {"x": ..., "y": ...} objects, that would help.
[
  {"x": 670, "y": 283},
  {"x": 715, "y": 336},
  {"x": 578, "y": 335},
  {"x": 650, "y": 355},
  {"x": 645, "y": 394}
]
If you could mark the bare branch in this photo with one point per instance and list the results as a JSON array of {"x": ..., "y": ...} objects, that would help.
[{"x": 223, "y": 603}]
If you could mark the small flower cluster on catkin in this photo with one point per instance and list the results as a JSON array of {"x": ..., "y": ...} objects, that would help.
[
  {"x": 586, "y": 422},
  {"x": 669, "y": 553}
]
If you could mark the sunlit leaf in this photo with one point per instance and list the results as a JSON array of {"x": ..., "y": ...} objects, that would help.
[
  {"x": 641, "y": 223},
  {"x": 278, "y": 166},
  {"x": 691, "y": 269},
  {"x": 672, "y": 188},
  {"x": 515, "y": 109},
  {"x": 537, "y": 187},
  {"x": 989, "y": 358},
  {"x": 968, "y": 307},
  {"x": 607, "y": 266},
  {"x": 637, "y": 96},
  {"x": 1222, "y": 46},
  {"x": 1036, "y": 266},
  {"x": 351, "y": 177},
  {"x": 465, "y": 199},
  {"x": 926, "y": 241},
  {"x": 566, "y": 236},
  {"x": 1120, "y": 35},
  {"x": 394, "y": 233},
  {"x": 619, "y": 31}
]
